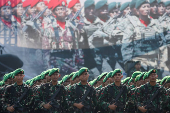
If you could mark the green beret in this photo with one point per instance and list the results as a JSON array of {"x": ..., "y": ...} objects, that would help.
[
  {"x": 130, "y": 81},
  {"x": 140, "y": 2},
  {"x": 42, "y": 75},
  {"x": 60, "y": 82},
  {"x": 132, "y": 4},
  {"x": 168, "y": 79},
  {"x": 126, "y": 80},
  {"x": 100, "y": 76},
  {"x": 47, "y": 72},
  {"x": 6, "y": 77},
  {"x": 18, "y": 71},
  {"x": 124, "y": 6},
  {"x": 27, "y": 82},
  {"x": 2, "y": 83},
  {"x": 167, "y": 3},
  {"x": 88, "y": 3},
  {"x": 163, "y": 80},
  {"x": 107, "y": 76},
  {"x": 118, "y": 4},
  {"x": 116, "y": 71},
  {"x": 158, "y": 81},
  {"x": 152, "y": 1},
  {"x": 71, "y": 74},
  {"x": 75, "y": 75},
  {"x": 135, "y": 74},
  {"x": 93, "y": 82},
  {"x": 112, "y": 6},
  {"x": 82, "y": 70},
  {"x": 65, "y": 78},
  {"x": 145, "y": 76},
  {"x": 161, "y": 1},
  {"x": 142, "y": 75},
  {"x": 152, "y": 71},
  {"x": 137, "y": 78},
  {"x": 38, "y": 78},
  {"x": 52, "y": 71},
  {"x": 100, "y": 4}
]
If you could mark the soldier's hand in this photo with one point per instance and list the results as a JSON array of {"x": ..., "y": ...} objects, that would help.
[
  {"x": 100, "y": 34},
  {"x": 47, "y": 106},
  {"x": 78, "y": 105},
  {"x": 112, "y": 107},
  {"x": 11, "y": 108},
  {"x": 142, "y": 109}
]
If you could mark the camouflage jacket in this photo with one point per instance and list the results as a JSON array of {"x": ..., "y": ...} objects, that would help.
[
  {"x": 75, "y": 95},
  {"x": 55, "y": 37},
  {"x": 110, "y": 92},
  {"x": 11, "y": 95},
  {"x": 145, "y": 92},
  {"x": 141, "y": 40},
  {"x": 44, "y": 94}
]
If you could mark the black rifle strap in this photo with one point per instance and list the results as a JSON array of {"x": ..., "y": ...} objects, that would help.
[{"x": 111, "y": 93}]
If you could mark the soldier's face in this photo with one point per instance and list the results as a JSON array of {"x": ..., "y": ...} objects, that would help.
[
  {"x": 48, "y": 78},
  {"x": 6, "y": 12},
  {"x": 18, "y": 10},
  {"x": 138, "y": 66},
  {"x": 117, "y": 77},
  {"x": 154, "y": 8},
  {"x": 76, "y": 7},
  {"x": 10, "y": 80},
  {"x": 144, "y": 10},
  {"x": 60, "y": 12},
  {"x": 168, "y": 10},
  {"x": 55, "y": 76},
  {"x": 114, "y": 12},
  {"x": 134, "y": 11},
  {"x": 103, "y": 11},
  {"x": 146, "y": 80},
  {"x": 161, "y": 9},
  {"x": 67, "y": 82},
  {"x": 84, "y": 76},
  {"x": 153, "y": 77},
  {"x": 89, "y": 11},
  {"x": 131, "y": 83},
  {"x": 126, "y": 11},
  {"x": 19, "y": 77},
  {"x": 40, "y": 6},
  {"x": 39, "y": 82},
  {"x": 31, "y": 11},
  {"x": 111, "y": 79}
]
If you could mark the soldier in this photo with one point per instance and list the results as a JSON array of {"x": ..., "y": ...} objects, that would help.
[
  {"x": 44, "y": 98},
  {"x": 125, "y": 9},
  {"x": 113, "y": 9},
  {"x": 133, "y": 9},
  {"x": 14, "y": 92},
  {"x": 133, "y": 78},
  {"x": 137, "y": 67},
  {"x": 154, "y": 9},
  {"x": 145, "y": 92},
  {"x": 75, "y": 6},
  {"x": 144, "y": 26},
  {"x": 82, "y": 96},
  {"x": 111, "y": 92},
  {"x": 167, "y": 5}
]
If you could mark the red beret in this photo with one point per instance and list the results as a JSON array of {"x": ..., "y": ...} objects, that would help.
[
  {"x": 51, "y": 3},
  {"x": 34, "y": 2},
  {"x": 26, "y": 3},
  {"x": 5, "y": 3},
  {"x": 46, "y": 2},
  {"x": 72, "y": 3},
  {"x": 15, "y": 2},
  {"x": 59, "y": 3}
]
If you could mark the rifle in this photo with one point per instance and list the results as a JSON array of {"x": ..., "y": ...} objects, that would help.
[
  {"x": 163, "y": 17},
  {"x": 23, "y": 15},
  {"x": 52, "y": 101},
  {"x": 16, "y": 104},
  {"x": 149, "y": 105},
  {"x": 116, "y": 100},
  {"x": 101, "y": 29},
  {"x": 82, "y": 100},
  {"x": 34, "y": 19},
  {"x": 76, "y": 15}
]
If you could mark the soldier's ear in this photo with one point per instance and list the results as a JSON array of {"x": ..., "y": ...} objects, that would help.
[{"x": 59, "y": 75}]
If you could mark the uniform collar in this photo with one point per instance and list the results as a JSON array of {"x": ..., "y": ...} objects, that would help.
[
  {"x": 15, "y": 84},
  {"x": 157, "y": 85},
  {"x": 18, "y": 19},
  {"x": 8, "y": 24}
]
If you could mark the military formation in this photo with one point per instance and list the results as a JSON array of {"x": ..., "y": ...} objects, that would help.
[
  {"x": 143, "y": 92},
  {"x": 72, "y": 33}
]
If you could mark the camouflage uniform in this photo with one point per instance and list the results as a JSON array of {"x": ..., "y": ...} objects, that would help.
[
  {"x": 45, "y": 92},
  {"x": 76, "y": 92},
  {"x": 143, "y": 44},
  {"x": 110, "y": 92},
  {"x": 144, "y": 94},
  {"x": 11, "y": 95}
]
